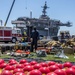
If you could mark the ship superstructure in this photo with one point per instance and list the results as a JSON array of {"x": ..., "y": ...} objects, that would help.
[{"x": 45, "y": 25}]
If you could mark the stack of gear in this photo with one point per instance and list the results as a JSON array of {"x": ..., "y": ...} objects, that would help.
[{"x": 53, "y": 43}]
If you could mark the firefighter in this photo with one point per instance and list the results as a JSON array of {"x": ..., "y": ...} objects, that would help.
[
  {"x": 24, "y": 38},
  {"x": 25, "y": 33},
  {"x": 34, "y": 39}
]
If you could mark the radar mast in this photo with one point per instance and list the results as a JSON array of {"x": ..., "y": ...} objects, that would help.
[{"x": 44, "y": 8}]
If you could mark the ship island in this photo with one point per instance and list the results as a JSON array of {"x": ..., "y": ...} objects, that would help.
[{"x": 44, "y": 24}]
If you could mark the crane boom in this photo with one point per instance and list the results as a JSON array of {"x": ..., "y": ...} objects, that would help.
[{"x": 9, "y": 12}]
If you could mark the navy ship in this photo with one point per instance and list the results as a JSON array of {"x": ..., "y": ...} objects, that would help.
[{"x": 44, "y": 24}]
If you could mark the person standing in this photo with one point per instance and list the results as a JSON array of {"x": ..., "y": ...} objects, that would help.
[{"x": 34, "y": 39}]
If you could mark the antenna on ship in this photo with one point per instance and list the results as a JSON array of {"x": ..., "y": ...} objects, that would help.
[
  {"x": 26, "y": 5},
  {"x": 44, "y": 8}
]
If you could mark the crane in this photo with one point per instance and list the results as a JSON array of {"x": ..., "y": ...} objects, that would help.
[{"x": 9, "y": 12}]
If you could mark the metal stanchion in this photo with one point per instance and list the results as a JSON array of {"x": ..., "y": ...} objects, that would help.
[
  {"x": 3, "y": 49},
  {"x": 20, "y": 47},
  {"x": 0, "y": 50},
  {"x": 16, "y": 47}
]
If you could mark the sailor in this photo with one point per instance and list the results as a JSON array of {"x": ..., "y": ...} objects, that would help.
[{"x": 34, "y": 39}]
